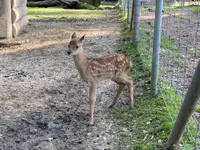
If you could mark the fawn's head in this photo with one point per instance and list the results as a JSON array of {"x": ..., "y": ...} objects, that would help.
[{"x": 75, "y": 45}]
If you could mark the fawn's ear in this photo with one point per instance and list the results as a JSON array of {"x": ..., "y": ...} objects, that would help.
[
  {"x": 82, "y": 38},
  {"x": 74, "y": 35}
]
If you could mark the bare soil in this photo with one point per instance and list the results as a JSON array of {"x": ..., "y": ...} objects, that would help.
[{"x": 43, "y": 103}]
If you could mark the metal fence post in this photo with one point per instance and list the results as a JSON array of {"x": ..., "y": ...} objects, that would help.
[
  {"x": 123, "y": 3},
  {"x": 132, "y": 15},
  {"x": 136, "y": 22},
  {"x": 128, "y": 13},
  {"x": 156, "y": 47},
  {"x": 125, "y": 7},
  {"x": 188, "y": 106}
]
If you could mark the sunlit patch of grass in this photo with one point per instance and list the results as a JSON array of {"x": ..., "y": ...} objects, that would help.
[
  {"x": 168, "y": 43},
  {"x": 107, "y": 6},
  {"x": 59, "y": 13},
  {"x": 196, "y": 10},
  {"x": 179, "y": 4}
]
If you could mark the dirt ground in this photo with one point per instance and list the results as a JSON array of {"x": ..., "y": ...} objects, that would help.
[{"x": 43, "y": 103}]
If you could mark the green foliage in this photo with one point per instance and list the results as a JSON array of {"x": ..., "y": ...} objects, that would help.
[
  {"x": 186, "y": 4},
  {"x": 148, "y": 124},
  {"x": 178, "y": 7},
  {"x": 117, "y": 6},
  {"x": 33, "y": 4},
  {"x": 196, "y": 10},
  {"x": 60, "y": 13},
  {"x": 123, "y": 16},
  {"x": 168, "y": 43},
  {"x": 150, "y": 8},
  {"x": 95, "y": 3},
  {"x": 171, "y": 9},
  {"x": 107, "y": 6},
  {"x": 86, "y": 6}
]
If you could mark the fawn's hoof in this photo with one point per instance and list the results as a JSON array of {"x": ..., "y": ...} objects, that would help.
[
  {"x": 131, "y": 106},
  {"x": 91, "y": 123}
]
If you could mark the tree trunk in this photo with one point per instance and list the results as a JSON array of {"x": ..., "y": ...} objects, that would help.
[
  {"x": 62, "y": 3},
  {"x": 70, "y": 3},
  {"x": 46, "y": 3}
]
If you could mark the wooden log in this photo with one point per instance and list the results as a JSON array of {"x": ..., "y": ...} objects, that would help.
[
  {"x": 46, "y": 3},
  {"x": 70, "y": 3},
  {"x": 17, "y": 26},
  {"x": 5, "y": 19},
  {"x": 18, "y": 13},
  {"x": 18, "y": 3}
]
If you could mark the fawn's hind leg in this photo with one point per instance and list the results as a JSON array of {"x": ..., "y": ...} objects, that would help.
[
  {"x": 119, "y": 91},
  {"x": 130, "y": 88},
  {"x": 125, "y": 79}
]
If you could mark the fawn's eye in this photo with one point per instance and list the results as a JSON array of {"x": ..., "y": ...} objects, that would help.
[
  {"x": 68, "y": 46},
  {"x": 77, "y": 47}
]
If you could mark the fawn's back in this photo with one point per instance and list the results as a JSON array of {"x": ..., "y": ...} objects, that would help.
[{"x": 109, "y": 66}]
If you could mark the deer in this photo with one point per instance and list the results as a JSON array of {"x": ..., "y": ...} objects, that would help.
[{"x": 114, "y": 67}]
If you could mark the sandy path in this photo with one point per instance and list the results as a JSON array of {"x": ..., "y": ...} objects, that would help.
[{"x": 43, "y": 102}]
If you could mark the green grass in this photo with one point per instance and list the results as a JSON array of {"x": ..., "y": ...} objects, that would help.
[
  {"x": 196, "y": 10},
  {"x": 171, "y": 9},
  {"x": 168, "y": 43},
  {"x": 148, "y": 125},
  {"x": 178, "y": 7},
  {"x": 58, "y": 13},
  {"x": 186, "y": 4},
  {"x": 107, "y": 6}
]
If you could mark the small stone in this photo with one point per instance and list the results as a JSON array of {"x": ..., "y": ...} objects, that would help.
[
  {"x": 159, "y": 141},
  {"x": 50, "y": 139},
  {"x": 51, "y": 125},
  {"x": 89, "y": 134},
  {"x": 17, "y": 141},
  {"x": 33, "y": 131},
  {"x": 144, "y": 131},
  {"x": 148, "y": 122}
]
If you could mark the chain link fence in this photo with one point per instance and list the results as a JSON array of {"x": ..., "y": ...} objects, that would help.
[{"x": 179, "y": 53}]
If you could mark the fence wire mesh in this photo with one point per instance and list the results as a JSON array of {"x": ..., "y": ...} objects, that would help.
[{"x": 180, "y": 52}]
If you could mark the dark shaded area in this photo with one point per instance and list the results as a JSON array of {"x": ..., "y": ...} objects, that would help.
[
  {"x": 3, "y": 45},
  {"x": 72, "y": 4}
]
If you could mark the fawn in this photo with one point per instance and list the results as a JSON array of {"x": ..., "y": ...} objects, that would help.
[{"x": 115, "y": 67}]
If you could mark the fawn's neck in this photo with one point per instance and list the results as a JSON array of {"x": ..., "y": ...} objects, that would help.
[{"x": 81, "y": 63}]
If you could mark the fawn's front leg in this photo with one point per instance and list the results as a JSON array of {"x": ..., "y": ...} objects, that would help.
[{"x": 93, "y": 93}]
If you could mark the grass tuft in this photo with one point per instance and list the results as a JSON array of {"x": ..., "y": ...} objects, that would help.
[
  {"x": 196, "y": 10},
  {"x": 60, "y": 13},
  {"x": 107, "y": 6}
]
